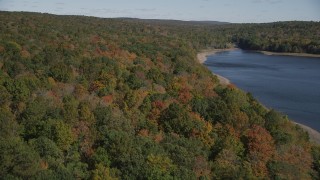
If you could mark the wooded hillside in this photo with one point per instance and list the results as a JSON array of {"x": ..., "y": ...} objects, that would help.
[{"x": 92, "y": 98}]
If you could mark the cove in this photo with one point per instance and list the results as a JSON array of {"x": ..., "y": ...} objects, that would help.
[{"x": 288, "y": 84}]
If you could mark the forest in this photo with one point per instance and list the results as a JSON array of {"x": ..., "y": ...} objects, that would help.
[{"x": 94, "y": 98}]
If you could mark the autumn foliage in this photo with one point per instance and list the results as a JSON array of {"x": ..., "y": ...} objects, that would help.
[{"x": 92, "y": 98}]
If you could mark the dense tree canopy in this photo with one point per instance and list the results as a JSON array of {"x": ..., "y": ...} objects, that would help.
[{"x": 92, "y": 98}]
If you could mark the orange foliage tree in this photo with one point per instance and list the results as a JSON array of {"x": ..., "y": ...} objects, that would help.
[{"x": 260, "y": 147}]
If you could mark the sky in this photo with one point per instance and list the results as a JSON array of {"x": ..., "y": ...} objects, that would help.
[{"x": 235, "y": 11}]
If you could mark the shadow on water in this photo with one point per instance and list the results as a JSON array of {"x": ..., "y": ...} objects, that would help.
[{"x": 238, "y": 65}]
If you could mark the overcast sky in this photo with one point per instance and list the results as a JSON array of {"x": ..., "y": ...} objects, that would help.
[{"x": 237, "y": 11}]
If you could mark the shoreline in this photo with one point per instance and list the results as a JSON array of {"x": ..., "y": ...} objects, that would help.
[
  {"x": 202, "y": 56},
  {"x": 269, "y": 53}
]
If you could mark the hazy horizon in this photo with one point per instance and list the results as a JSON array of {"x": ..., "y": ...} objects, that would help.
[{"x": 247, "y": 11}]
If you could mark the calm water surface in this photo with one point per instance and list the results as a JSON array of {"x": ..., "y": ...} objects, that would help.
[{"x": 288, "y": 84}]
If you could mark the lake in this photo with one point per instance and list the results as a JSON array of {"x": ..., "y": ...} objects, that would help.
[{"x": 287, "y": 84}]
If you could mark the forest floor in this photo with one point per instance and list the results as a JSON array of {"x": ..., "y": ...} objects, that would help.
[{"x": 202, "y": 57}]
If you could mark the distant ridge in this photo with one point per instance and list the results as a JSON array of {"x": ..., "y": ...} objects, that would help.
[
  {"x": 174, "y": 22},
  {"x": 152, "y": 21}
]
